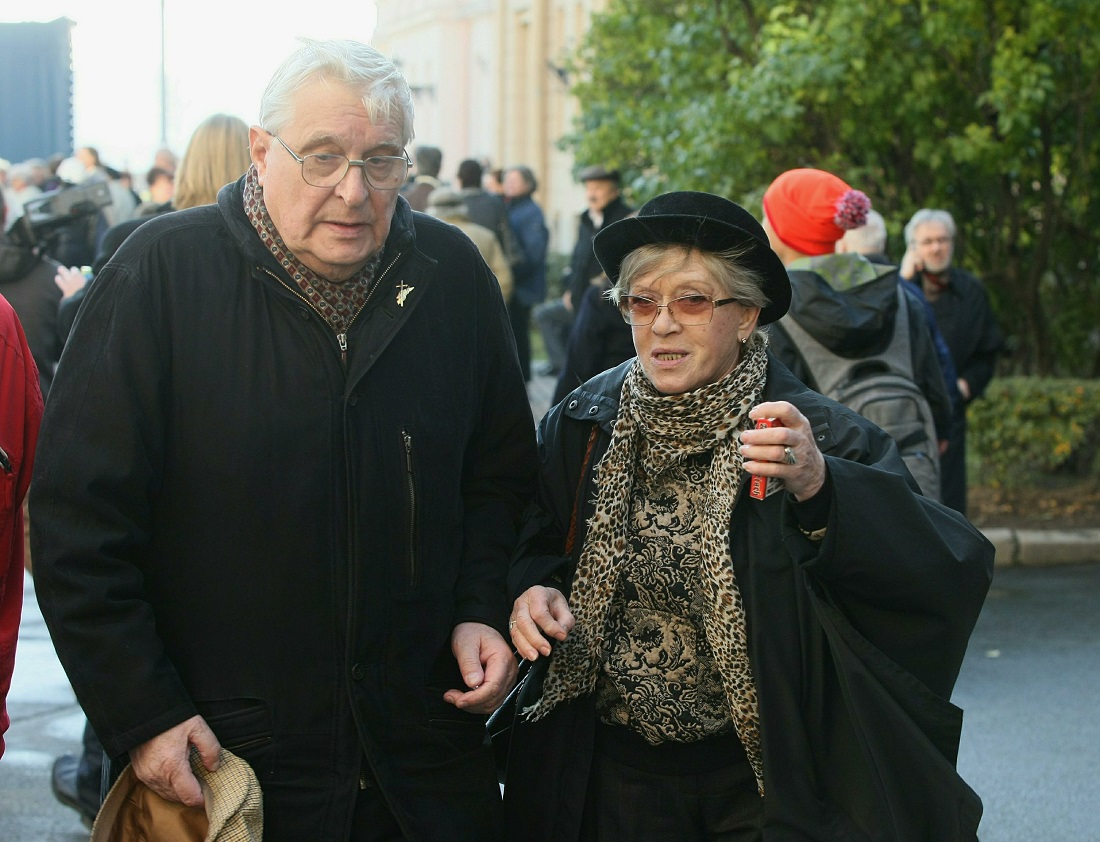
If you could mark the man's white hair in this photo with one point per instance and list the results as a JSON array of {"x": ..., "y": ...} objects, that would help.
[
  {"x": 360, "y": 67},
  {"x": 926, "y": 215},
  {"x": 869, "y": 238}
]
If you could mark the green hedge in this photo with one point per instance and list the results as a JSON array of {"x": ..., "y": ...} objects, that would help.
[{"x": 1025, "y": 424}]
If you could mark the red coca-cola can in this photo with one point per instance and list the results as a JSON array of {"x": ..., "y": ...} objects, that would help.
[{"x": 758, "y": 486}]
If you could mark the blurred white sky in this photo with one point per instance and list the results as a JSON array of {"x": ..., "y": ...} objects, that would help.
[{"x": 219, "y": 55}]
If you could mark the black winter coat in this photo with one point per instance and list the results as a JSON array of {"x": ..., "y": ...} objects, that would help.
[
  {"x": 231, "y": 521},
  {"x": 855, "y": 641}
]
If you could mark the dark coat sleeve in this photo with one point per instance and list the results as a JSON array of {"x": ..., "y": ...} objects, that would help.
[
  {"x": 499, "y": 466},
  {"x": 102, "y": 453},
  {"x": 979, "y": 367},
  {"x": 970, "y": 328},
  {"x": 908, "y": 572},
  {"x": 927, "y": 370}
]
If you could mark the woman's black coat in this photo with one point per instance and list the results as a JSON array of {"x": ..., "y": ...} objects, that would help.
[{"x": 855, "y": 641}]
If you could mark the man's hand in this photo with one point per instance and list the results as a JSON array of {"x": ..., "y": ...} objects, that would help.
[
  {"x": 488, "y": 667},
  {"x": 910, "y": 265},
  {"x": 163, "y": 762}
]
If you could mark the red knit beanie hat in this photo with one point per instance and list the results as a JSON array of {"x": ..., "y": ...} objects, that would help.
[{"x": 810, "y": 210}]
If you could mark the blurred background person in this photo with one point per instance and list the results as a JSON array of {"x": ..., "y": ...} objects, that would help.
[
  {"x": 605, "y": 205},
  {"x": 486, "y": 208},
  {"x": 160, "y": 185},
  {"x": 493, "y": 182},
  {"x": 429, "y": 162},
  {"x": 529, "y": 272},
  {"x": 870, "y": 240},
  {"x": 448, "y": 205},
  {"x": 26, "y": 281},
  {"x": 20, "y": 189},
  {"x": 968, "y": 325}
]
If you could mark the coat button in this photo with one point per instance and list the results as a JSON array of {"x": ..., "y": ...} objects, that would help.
[
  {"x": 353, "y": 399},
  {"x": 358, "y": 671}
]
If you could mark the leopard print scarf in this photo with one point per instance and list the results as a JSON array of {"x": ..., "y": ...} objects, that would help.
[{"x": 658, "y": 431}]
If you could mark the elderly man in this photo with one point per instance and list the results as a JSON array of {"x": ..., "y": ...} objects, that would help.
[
  {"x": 279, "y": 480},
  {"x": 967, "y": 323}
]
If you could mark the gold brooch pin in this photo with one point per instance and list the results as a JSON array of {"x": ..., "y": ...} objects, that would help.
[{"x": 402, "y": 293}]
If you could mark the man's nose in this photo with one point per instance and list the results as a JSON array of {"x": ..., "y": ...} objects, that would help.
[{"x": 353, "y": 187}]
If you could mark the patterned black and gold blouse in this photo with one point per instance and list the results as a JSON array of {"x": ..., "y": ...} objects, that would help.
[{"x": 659, "y": 677}]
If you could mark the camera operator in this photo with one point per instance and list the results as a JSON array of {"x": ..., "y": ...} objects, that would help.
[{"x": 27, "y": 281}]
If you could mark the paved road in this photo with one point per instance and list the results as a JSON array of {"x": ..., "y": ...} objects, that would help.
[
  {"x": 45, "y": 722},
  {"x": 1030, "y": 685}
]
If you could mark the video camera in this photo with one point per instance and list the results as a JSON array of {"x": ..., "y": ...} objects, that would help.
[{"x": 49, "y": 213}]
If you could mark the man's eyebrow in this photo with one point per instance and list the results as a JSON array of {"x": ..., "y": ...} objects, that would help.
[{"x": 386, "y": 147}]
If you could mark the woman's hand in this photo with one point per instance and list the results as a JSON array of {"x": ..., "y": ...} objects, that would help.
[
  {"x": 765, "y": 451},
  {"x": 537, "y": 613}
]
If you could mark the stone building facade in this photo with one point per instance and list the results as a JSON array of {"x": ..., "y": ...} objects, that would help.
[{"x": 489, "y": 83}]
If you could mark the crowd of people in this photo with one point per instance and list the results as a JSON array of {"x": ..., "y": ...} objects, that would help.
[{"x": 296, "y": 534}]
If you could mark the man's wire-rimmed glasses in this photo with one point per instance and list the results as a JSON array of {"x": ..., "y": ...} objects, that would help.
[
  {"x": 327, "y": 169},
  {"x": 687, "y": 310}
]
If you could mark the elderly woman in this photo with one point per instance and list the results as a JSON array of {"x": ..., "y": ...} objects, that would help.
[{"x": 710, "y": 662}]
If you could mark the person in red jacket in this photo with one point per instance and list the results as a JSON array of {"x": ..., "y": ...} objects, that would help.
[{"x": 20, "y": 414}]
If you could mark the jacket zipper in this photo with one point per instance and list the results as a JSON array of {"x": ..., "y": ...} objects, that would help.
[
  {"x": 410, "y": 485},
  {"x": 342, "y": 342},
  {"x": 342, "y": 337},
  {"x": 5, "y": 462}
]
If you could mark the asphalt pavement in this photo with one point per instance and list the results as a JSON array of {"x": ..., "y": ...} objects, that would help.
[{"x": 1029, "y": 687}]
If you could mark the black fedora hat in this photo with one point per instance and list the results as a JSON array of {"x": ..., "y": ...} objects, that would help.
[{"x": 703, "y": 221}]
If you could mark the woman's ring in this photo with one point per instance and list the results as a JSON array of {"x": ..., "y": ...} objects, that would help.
[
  {"x": 511, "y": 624},
  {"x": 788, "y": 456}
]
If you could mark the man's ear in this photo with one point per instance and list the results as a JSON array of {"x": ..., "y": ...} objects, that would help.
[{"x": 259, "y": 143}]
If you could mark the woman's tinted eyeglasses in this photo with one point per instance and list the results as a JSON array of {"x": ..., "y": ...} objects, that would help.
[{"x": 687, "y": 310}]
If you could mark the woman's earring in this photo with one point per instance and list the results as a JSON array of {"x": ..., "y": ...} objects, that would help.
[{"x": 744, "y": 339}]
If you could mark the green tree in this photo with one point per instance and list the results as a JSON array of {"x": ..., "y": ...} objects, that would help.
[{"x": 987, "y": 108}]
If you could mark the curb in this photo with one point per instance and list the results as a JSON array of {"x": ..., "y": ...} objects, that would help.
[{"x": 1043, "y": 547}]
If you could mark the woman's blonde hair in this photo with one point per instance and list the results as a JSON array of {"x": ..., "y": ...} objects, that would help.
[{"x": 216, "y": 155}]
